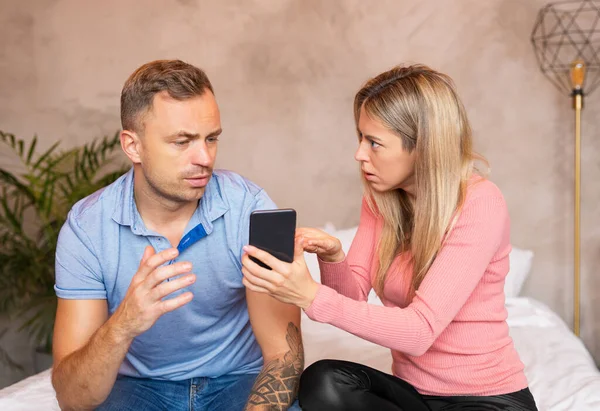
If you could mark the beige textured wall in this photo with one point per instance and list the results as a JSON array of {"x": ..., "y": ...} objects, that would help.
[{"x": 285, "y": 72}]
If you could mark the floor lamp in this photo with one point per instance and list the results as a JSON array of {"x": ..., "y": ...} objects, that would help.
[{"x": 566, "y": 41}]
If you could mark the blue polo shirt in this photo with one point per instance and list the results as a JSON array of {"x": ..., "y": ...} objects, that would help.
[{"x": 99, "y": 250}]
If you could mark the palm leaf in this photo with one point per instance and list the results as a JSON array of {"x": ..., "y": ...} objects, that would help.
[
  {"x": 46, "y": 155},
  {"x": 9, "y": 215},
  {"x": 10, "y": 180},
  {"x": 52, "y": 183},
  {"x": 31, "y": 150}
]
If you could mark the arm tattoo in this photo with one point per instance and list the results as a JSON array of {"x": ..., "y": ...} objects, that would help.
[{"x": 276, "y": 386}]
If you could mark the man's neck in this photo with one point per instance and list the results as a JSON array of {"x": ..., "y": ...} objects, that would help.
[{"x": 159, "y": 214}]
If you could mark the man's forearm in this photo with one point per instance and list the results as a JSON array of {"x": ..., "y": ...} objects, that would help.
[
  {"x": 276, "y": 387},
  {"x": 84, "y": 378}
]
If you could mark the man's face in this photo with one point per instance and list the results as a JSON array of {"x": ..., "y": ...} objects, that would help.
[{"x": 178, "y": 147}]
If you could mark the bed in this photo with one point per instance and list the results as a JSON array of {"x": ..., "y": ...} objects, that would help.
[{"x": 561, "y": 372}]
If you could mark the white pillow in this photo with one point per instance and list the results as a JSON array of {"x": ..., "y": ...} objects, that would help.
[{"x": 520, "y": 263}]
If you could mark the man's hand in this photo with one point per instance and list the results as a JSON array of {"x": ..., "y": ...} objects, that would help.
[
  {"x": 143, "y": 304},
  {"x": 89, "y": 349}
]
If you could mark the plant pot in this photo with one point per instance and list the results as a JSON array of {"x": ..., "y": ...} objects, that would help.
[{"x": 42, "y": 360}]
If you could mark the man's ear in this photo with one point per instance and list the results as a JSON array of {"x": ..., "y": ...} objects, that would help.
[{"x": 131, "y": 145}]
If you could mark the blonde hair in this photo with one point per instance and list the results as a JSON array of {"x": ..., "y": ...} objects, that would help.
[{"x": 422, "y": 107}]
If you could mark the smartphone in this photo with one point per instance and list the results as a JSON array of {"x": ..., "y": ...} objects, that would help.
[{"x": 273, "y": 231}]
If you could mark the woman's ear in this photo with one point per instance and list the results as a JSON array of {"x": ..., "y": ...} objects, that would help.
[{"x": 131, "y": 145}]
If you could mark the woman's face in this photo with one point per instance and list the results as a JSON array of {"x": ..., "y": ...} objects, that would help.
[{"x": 384, "y": 162}]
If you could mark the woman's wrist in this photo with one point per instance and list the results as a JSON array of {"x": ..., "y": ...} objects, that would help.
[{"x": 335, "y": 258}]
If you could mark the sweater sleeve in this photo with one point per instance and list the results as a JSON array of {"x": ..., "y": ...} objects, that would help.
[
  {"x": 450, "y": 281},
  {"x": 350, "y": 277}
]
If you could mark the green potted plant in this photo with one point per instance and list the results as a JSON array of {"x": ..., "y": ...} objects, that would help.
[{"x": 34, "y": 202}]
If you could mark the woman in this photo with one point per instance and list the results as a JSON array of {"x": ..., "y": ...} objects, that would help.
[{"x": 433, "y": 241}]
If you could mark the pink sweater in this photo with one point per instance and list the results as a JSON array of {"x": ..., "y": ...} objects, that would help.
[{"x": 452, "y": 338}]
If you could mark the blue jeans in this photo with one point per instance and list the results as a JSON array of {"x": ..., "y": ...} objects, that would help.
[{"x": 226, "y": 393}]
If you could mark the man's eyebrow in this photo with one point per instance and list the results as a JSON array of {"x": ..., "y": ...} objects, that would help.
[
  {"x": 187, "y": 134},
  {"x": 215, "y": 133},
  {"x": 183, "y": 133}
]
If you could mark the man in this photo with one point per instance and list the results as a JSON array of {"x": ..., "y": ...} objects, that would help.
[{"x": 152, "y": 313}]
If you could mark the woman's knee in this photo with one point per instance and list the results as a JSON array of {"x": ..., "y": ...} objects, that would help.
[
  {"x": 317, "y": 372},
  {"x": 326, "y": 385}
]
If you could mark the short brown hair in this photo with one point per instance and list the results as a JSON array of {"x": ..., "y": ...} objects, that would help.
[{"x": 181, "y": 80}]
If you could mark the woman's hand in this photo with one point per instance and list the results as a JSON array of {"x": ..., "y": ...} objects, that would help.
[
  {"x": 289, "y": 283},
  {"x": 328, "y": 248}
]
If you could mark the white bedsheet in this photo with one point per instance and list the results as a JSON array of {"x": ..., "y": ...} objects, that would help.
[{"x": 561, "y": 373}]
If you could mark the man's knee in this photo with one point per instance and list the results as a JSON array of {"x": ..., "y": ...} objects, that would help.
[{"x": 130, "y": 394}]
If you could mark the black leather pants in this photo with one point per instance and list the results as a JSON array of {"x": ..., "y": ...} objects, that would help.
[{"x": 331, "y": 385}]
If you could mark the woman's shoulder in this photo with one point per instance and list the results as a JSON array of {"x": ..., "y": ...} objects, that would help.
[{"x": 479, "y": 186}]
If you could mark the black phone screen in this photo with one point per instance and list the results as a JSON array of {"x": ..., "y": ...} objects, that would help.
[{"x": 273, "y": 231}]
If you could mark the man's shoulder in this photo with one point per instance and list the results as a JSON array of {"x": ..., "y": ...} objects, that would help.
[{"x": 97, "y": 204}]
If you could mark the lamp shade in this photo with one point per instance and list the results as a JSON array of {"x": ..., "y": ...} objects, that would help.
[{"x": 566, "y": 40}]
